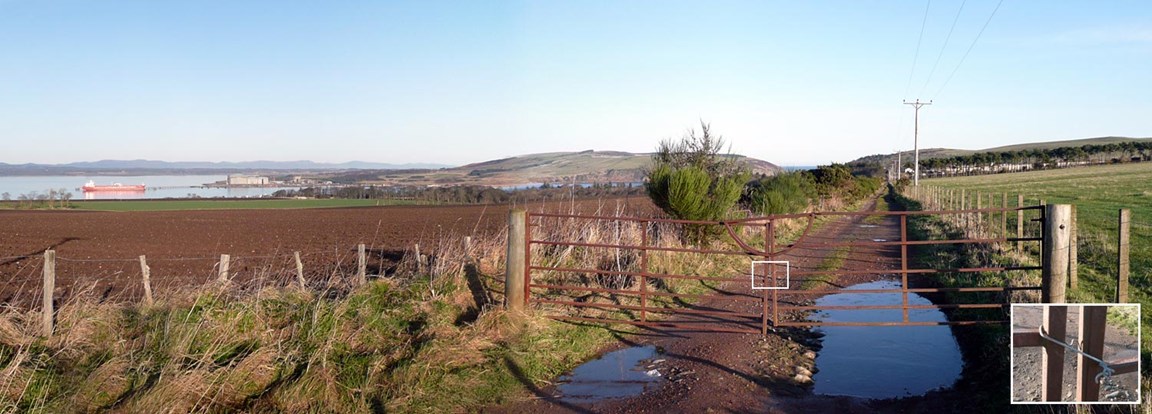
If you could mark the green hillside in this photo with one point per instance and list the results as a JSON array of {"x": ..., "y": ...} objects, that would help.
[
  {"x": 553, "y": 167},
  {"x": 929, "y": 153}
]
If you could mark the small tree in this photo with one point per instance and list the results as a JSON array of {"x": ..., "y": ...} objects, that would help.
[{"x": 691, "y": 180}]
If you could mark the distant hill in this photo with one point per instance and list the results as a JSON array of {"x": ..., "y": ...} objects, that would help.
[
  {"x": 554, "y": 167},
  {"x": 144, "y": 167},
  {"x": 927, "y": 153}
]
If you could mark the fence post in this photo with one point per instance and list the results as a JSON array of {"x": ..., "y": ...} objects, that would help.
[
  {"x": 1054, "y": 275},
  {"x": 223, "y": 276},
  {"x": 1073, "y": 261},
  {"x": 979, "y": 215},
  {"x": 1093, "y": 323},
  {"x": 1055, "y": 320},
  {"x": 419, "y": 259},
  {"x": 1019, "y": 222},
  {"x": 514, "y": 276},
  {"x": 964, "y": 216},
  {"x": 49, "y": 309},
  {"x": 146, "y": 274},
  {"x": 361, "y": 265},
  {"x": 1122, "y": 257},
  {"x": 467, "y": 249},
  {"x": 299, "y": 270}
]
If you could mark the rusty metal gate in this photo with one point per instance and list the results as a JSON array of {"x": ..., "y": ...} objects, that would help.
[{"x": 764, "y": 272}]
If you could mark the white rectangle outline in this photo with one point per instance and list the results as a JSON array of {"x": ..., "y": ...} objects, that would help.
[
  {"x": 787, "y": 274},
  {"x": 1012, "y": 356}
]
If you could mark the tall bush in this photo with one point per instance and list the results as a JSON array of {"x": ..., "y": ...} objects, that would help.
[{"x": 691, "y": 180}]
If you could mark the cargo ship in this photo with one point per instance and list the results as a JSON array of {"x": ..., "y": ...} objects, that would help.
[{"x": 92, "y": 187}]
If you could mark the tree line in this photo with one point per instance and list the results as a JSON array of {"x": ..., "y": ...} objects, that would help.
[{"x": 53, "y": 198}]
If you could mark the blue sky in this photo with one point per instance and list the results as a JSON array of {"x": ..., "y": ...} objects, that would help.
[{"x": 795, "y": 83}]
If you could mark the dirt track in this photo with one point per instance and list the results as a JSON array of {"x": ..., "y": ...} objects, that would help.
[
  {"x": 748, "y": 373},
  {"x": 101, "y": 249}
]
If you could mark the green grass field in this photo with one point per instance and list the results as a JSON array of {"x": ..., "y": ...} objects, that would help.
[
  {"x": 1098, "y": 194},
  {"x": 193, "y": 204}
]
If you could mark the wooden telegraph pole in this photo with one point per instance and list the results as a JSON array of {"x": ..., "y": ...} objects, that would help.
[{"x": 916, "y": 141}]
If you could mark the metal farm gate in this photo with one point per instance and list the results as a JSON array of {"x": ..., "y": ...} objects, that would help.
[{"x": 768, "y": 271}]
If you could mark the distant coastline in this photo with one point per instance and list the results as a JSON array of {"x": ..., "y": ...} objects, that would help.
[{"x": 791, "y": 168}]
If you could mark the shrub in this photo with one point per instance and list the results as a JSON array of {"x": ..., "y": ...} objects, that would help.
[
  {"x": 691, "y": 180},
  {"x": 778, "y": 194}
]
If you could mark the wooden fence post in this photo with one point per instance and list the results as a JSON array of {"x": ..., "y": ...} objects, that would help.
[
  {"x": 1004, "y": 218},
  {"x": 1055, "y": 321},
  {"x": 1122, "y": 256},
  {"x": 419, "y": 259},
  {"x": 49, "y": 309},
  {"x": 1073, "y": 261},
  {"x": 514, "y": 276},
  {"x": 467, "y": 249},
  {"x": 146, "y": 274},
  {"x": 1093, "y": 324},
  {"x": 1019, "y": 222},
  {"x": 223, "y": 276},
  {"x": 299, "y": 270},
  {"x": 361, "y": 265},
  {"x": 964, "y": 216},
  {"x": 1054, "y": 275},
  {"x": 979, "y": 215}
]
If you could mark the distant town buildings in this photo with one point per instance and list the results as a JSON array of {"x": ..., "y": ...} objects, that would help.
[{"x": 237, "y": 179}]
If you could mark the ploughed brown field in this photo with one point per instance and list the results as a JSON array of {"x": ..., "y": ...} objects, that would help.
[{"x": 100, "y": 250}]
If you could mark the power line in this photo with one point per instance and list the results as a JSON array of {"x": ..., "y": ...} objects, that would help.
[
  {"x": 943, "y": 48},
  {"x": 969, "y": 49},
  {"x": 916, "y": 56}
]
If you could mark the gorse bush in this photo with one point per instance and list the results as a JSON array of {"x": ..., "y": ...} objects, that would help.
[{"x": 691, "y": 180}]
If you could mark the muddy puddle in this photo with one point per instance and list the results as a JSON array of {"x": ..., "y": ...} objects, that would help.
[
  {"x": 883, "y": 361},
  {"x": 623, "y": 373}
]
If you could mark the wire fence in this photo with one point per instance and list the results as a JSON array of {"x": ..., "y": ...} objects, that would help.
[{"x": 134, "y": 279}]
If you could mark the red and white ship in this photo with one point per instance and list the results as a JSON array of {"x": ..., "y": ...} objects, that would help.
[{"x": 116, "y": 187}]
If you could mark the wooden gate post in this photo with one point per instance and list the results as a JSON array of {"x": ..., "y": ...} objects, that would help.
[
  {"x": 1093, "y": 323},
  {"x": 1073, "y": 261},
  {"x": 1122, "y": 256},
  {"x": 1055, "y": 322},
  {"x": 1054, "y": 273},
  {"x": 514, "y": 275},
  {"x": 48, "y": 309}
]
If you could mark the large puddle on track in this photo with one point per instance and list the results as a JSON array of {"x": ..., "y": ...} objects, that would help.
[
  {"x": 883, "y": 361},
  {"x": 623, "y": 373}
]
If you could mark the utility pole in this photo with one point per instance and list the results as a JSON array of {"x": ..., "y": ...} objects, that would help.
[
  {"x": 916, "y": 140},
  {"x": 899, "y": 165}
]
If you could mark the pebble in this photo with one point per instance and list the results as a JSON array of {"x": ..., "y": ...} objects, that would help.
[
  {"x": 810, "y": 355},
  {"x": 802, "y": 379}
]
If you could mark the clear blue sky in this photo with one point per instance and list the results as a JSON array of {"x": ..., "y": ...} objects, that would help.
[{"x": 795, "y": 83}]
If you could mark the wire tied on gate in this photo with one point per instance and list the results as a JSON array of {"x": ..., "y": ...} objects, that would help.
[{"x": 1111, "y": 389}]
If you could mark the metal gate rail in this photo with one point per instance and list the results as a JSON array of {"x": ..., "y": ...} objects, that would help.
[{"x": 590, "y": 268}]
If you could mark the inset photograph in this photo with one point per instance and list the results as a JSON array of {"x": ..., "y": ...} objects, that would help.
[{"x": 1076, "y": 353}]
